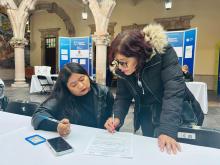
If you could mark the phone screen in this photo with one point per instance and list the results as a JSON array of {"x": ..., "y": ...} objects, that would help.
[{"x": 59, "y": 145}]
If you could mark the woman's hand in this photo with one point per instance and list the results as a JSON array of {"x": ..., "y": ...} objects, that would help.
[
  {"x": 63, "y": 127},
  {"x": 110, "y": 125},
  {"x": 169, "y": 144}
]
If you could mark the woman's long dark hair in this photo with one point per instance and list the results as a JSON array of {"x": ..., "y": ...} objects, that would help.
[
  {"x": 131, "y": 43},
  {"x": 66, "y": 100}
]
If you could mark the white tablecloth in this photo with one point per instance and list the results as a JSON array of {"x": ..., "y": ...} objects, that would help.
[
  {"x": 10, "y": 122},
  {"x": 199, "y": 90},
  {"x": 16, "y": 150},
  {"x": 35, "y": 84}
]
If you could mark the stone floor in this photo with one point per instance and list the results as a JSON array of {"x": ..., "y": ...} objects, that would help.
[{"x": 212, "y": 119}]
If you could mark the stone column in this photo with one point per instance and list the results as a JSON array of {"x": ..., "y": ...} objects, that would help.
[
  {"x": 101, "y": 10},
  {"x": 18, "y": 16},
  {"x": 102, "y": 42},
  {"x": 19, "y": 62}
]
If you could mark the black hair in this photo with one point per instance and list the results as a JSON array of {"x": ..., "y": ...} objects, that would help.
[
  {"x": 66, "y": 100},
  {"x": 131, "y": 43}
]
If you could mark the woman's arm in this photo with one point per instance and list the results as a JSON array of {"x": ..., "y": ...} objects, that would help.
[
  {"x": 173, "y": 95},
  {"x": 122, "y": 101},
  {"x": 172, "y": 102},
  {"x": 47, "y": 109},
  {"x": 110, "y": 102}
]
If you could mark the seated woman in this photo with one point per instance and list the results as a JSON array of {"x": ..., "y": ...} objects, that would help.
[
  {"x": 3, "y": 99},
  {"x": 187, "y": 75},
  {"x": 75, "y": 99}
]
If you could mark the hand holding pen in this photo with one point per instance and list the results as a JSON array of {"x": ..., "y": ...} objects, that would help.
[
  {"x": 112, "y": 123},
  {"x": 63, "y": 127}
]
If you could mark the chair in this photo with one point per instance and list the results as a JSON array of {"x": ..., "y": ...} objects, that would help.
[
  {"x": 45, "y": 84},
  {"x": 22, "y": 107},
  {"x": 201, "y": 136},
  {"x": 54, "y": 79}
]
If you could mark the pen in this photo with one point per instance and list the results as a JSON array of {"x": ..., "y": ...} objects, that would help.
[
  {"x": 113, "y": 118},
  {"x": 48, "y": 118},
  {"x": 113, "y": 121}
]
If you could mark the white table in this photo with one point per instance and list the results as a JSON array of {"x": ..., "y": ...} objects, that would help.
[
  {"x": 10, "y": 122},
  {"x": 35, "y": 84},
  {"x": 15, "y": 150},
  {"x": 199, "y": 90}
]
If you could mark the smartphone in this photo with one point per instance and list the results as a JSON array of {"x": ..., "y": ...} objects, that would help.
[{"x": 59, "y": 146}]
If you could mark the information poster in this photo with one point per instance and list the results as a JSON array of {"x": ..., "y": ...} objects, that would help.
[
  {"x": 184, "y": 43},
  {"x": 78, "y": 50}
]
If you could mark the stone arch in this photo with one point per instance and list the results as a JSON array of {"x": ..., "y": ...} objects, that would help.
[{"x": 54, "y": 8}]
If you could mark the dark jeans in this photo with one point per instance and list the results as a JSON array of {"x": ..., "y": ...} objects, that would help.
[{"x": 147, "y": 126}]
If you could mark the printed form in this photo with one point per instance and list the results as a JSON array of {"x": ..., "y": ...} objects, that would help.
[{"x": 119, "y": 144}]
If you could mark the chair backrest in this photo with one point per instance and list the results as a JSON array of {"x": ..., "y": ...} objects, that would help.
[
  {"x": 54, "y": 79},
  {"x": 42, "y": 70},
  {"x": 22, "y": 108},
  {"x": 42, "y": 79},
  {"x": 201, "y": 136}
]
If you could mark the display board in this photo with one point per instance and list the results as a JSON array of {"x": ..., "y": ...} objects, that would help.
[
  {"x": 76, "y": 49},
  {"x": 184, "y": 43}
]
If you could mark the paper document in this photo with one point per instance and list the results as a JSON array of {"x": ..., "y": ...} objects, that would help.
[
  {"x": 179, "y": 51},
  {"x": 82, "y": 61},
  {"x": 64, "y": 57},
  {"x": 64, "y": 51},
  {"x": 118, "y": 144},
  {"x": 188, "y": 51}
]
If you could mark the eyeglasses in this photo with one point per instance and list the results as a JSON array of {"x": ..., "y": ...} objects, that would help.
[{"x": 122, "y": 63}]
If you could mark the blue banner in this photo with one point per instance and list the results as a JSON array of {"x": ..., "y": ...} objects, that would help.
[
  {"x": 79, "y": 43},
  {"x": 184, "y": 43},
  {"x": 76, "y": 49},
  {"x": 175, "y": 39},
  {"x": 189, "y": 48},
  {"x": 64, "y": 51}
]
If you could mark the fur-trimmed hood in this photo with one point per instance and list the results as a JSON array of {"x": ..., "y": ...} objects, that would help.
[{"x": 155, "y": 35}]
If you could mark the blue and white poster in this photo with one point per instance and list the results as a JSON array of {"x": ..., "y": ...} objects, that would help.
[
  {"x": 76, "y": 49},
  {"x": 184, "y": 43},
  {"x": 176, "y": 41},
  {"x": 64, "y": 51},
  {"x": 189, "y": 48}
]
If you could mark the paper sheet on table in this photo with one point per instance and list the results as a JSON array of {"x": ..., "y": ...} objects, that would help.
[{"x": 118, "y": 144}]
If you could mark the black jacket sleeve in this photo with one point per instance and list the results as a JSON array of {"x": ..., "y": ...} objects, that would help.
[
  {"x": 48, "y": 109},
  {"x": 122, "y": 100},
  {"x": 173, "y": 95},
  {"x": 188, "y": 76},
  {"x": 110, "y": 102}
]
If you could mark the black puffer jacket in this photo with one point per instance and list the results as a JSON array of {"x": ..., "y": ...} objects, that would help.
[
  {"x": 163, "y": 84},
  {"x": 102, "y": 100}
]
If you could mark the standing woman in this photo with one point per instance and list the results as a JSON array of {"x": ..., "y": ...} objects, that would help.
[
  {"x": 75, "y": 99},
  {"x": 148, "y": 71}
]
